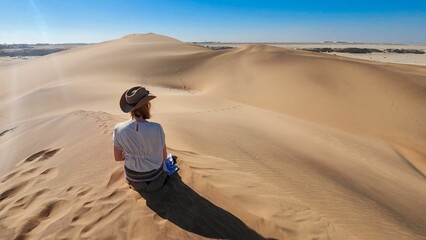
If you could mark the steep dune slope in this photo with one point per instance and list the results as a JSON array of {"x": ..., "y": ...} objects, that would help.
[
  {"x": 72, "y": 77},
  {"x": 385, "y": 101},
  {"x": 272, "y": 143},
  {"x": 380, "y": 100}
]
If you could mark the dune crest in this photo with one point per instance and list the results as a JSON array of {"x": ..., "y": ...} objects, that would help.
[
  {"x": 151, "y": 37},
  {"x": 272, "y": 143}
]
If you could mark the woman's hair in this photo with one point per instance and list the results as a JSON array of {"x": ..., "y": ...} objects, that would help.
[{"x": 143, "y": 112}]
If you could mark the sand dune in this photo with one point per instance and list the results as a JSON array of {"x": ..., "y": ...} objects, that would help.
[{"x": 272, "y": 143}]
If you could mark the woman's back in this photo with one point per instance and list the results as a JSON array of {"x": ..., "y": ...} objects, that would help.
[{"x": 142, "y": 144}]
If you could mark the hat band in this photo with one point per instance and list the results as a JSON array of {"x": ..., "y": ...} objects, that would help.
[{"x": 133, "y": 100}]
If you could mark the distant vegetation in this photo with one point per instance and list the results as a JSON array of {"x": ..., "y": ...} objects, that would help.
[
  {"x": 363, "y": 50},
  {"x": 40, "y": 49},
  {"x": 415, "y": 51},
  {"x": 29, "y": 52},
  {"x": 214, "y": 46},
  {"x": 219, "y": 47}
]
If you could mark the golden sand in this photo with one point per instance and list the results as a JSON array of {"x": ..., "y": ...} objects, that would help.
[{"x": 272, "y": 143}]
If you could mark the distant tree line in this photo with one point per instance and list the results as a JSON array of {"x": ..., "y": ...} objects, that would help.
[
  {"x": 39, "y": 49},
  {"x": 220, "y": 47},
  {"x": 363, "y": 50},
  {"x": 14, "y": 46},
  {"x": 29, "y": 52}
]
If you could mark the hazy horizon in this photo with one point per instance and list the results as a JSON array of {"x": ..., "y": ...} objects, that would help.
[{"x": 222, "y": 42}]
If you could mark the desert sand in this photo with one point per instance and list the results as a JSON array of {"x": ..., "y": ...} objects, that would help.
[
  {"x": 272, "y": 143},
  {"x": 387, "y": 57},
  {"x": 8, "y": 61}
]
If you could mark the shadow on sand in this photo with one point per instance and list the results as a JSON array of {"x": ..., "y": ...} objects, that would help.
[{"x": 185, "y": 208}]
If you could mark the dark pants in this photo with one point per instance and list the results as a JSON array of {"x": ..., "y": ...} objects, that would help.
[{"x": 152, "y": 186}]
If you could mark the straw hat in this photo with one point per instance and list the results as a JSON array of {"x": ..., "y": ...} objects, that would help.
[{"x": 134, "y": 98}]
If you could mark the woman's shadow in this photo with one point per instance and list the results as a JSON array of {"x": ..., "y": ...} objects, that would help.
[{"x": 185, "y": 208}]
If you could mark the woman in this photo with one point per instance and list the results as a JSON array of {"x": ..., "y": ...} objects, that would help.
[{"x": 141, "y": 144}]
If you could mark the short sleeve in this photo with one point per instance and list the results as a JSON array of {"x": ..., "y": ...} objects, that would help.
[{"x": 115, "y": 139}]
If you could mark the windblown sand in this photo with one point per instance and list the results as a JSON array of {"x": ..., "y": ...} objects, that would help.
[{"x": 272, "y": 143}]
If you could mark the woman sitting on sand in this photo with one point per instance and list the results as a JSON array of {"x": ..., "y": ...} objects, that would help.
[{"x": 141, "y": 144}]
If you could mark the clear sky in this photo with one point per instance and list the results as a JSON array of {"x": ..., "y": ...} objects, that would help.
[{"x": 64, "y": 21}]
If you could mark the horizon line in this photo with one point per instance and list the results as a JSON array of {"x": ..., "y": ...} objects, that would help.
[{"x": 230, "y": 42}]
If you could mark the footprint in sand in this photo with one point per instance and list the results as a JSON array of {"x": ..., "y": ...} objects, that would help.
[
  {"x": 25, "y": 182},
  {"x": 24, "y": 202},
  {"x": 35, "y": 156},
  {"x": 32, "y": 170},
  {"x": 42, "y": 155},
  {"x": 116, "y": 196},
  {"x": 49, "y": 154},
  {"x": 47, "y": 174},
  {"x": 100, "y": 208},
  {"x": 6, "y": 131},
  {"x": 10, "y": 176},
  {"x": 11, "y": 192},
  {"x": 28, "y": 199},
  {"x": 47, "y": 171},
  {"x": 22, "y": 179},
  {"x": 33, "y": 175},
  {"x": 52, "y": 211},
  {"x": 80, "y": 214},
  {"x": 83, "y": 191},
  {"x": 110, "y": 213}
]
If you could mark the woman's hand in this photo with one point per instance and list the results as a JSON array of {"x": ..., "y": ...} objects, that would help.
[{"x": 118, "y": 154}]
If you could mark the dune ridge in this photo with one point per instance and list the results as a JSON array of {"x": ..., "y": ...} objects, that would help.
[{"x": 273, "y": 143}]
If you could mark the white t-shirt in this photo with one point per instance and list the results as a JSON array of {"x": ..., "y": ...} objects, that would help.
[{"x": 142, "y": 144}]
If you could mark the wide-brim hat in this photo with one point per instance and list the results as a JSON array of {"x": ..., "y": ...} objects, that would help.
[{"x": 134, "y": 98}]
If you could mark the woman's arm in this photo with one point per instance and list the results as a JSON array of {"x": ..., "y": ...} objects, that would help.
[
  {"x": 164, "y": 153},
  {"x": 118, "y": 154}
]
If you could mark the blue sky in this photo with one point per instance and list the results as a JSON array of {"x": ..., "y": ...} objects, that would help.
[{"x": 61, "y": 21}]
